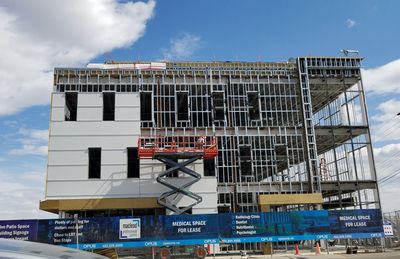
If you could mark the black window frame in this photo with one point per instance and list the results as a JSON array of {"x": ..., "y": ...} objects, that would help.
[
  {"x": 146, "y": 106},
  {"x": 108, "y": 106},
  {"x": 94, "y": 163},
  {"x": 133, "y": 163},
  {"x": 245, "y": 160},
  {"x": 182, "y": 103},
  {"x": 209, "y": 167},
  {"x": 71, "y": 104}
]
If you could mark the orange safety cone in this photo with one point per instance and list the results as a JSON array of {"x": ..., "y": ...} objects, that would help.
[
  {"x": 297, "y": 250},
  {"x": 317, "y": 249}
]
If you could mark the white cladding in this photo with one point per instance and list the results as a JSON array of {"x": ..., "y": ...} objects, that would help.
[{"x": 67, "y": 169}]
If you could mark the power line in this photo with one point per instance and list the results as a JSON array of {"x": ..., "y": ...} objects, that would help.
[
  {"x": 387, "y": 178},
  {"x": 381, "y": 137}
]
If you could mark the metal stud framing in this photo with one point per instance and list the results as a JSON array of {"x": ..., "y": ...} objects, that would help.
[{"x": 290, "y": 115}]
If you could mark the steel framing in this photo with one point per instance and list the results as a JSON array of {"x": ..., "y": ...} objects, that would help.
[{"x": 275, "y": 122}]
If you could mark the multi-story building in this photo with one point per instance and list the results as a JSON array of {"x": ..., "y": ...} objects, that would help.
[{"x": 291, "y": 135}]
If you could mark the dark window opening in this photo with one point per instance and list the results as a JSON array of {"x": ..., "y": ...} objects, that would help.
[
  {"x": 218, "y": 103},
  {"x": 281, "y": 155},
  {"x": 219, "y": 115},
  {"x": 174, "y": 174},
  {"x": 245, "y": 159},
  {"x": 71, "y": 105},
  {"x": 108, "y": 106},
  {"x": 254, "y": 108},
  {"x": 133, "y": 162},
  {"x": 183, "y": 105},
  {"x": 280, "y": 150},
  {"x": 245, "y": 168},
  {"x": 245, "y": 152},
  {"x": 94, "y": 162},
  {"x": 145, "y": 106},
  {"x": 209, "y": 167}
]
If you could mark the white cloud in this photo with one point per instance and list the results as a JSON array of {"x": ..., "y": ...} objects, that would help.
[
  {"x": 33, "y": 142},
  {"x": 34, "y": 177},
  {"x": 38, "y": 35},
  {"x": 350, "y": 23},
  {"x": 20, "y": 194},
  {"x": 34, "y": 135},
  {"x": 387, "y": 194},
  {"x": 384, "y": 79},
  {"x": 182, "y": 47},
  {"x": 386, "y": 150},
  {"x": 29, "y": 150},
  {"x": 387, "y": 121},
  {"x": 385, "y": 130},
  {"x": 386, "y": 161}
]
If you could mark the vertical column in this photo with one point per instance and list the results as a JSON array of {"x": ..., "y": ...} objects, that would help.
[
  {"x": 371, "y": 158},
  {"x": 310, "y": 147}
]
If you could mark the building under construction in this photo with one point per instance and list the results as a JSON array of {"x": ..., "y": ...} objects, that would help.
[{"x": 145, "y": 138}]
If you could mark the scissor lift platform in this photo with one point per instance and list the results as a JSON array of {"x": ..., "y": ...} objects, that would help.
[
  {"x": 177, "y": 152},
  {"x": 178, "y": 146}
]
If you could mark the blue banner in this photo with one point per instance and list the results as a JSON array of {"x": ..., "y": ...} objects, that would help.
[
  {"x": 355, "y": 223},
  {"x": 176, "y": 230},
  {"x": 18, "y": 229}
]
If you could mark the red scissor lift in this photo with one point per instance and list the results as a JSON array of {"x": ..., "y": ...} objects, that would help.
[{"x": 177, "y": 152}]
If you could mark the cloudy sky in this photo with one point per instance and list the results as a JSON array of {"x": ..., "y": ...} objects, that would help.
[{"x": 36, "y": 36}]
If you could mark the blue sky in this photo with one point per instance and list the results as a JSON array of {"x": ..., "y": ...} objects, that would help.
[
  {"x": 272, "y": 30},
  {"x": 180, "y": 30}
]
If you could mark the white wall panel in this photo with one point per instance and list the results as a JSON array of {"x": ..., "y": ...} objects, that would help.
[
  {"x": 127, "y": 99},
  {"x": 112, "y": 157},
  {"x": 93, "y": 188},
  {"x": 90, "y": 99},
  {"x": 58, "y": 99},
  {"x": 131, "y": 187},
  {"x": 90, "y": 114},
  {"x": 58, "y": 114},
  {"x": 150, "y": 168},
  {"x": 91, "y": 128},
  {"x": 113, "y": 172},
  {"x": 83, "y": 142},
  {"x": 67, "y": 172},
  {"x": 79, "y": 157},
  {"x": 68, "y": 154},
  {"x": 80, "y": 172},
  {"x": 127, "y": 113}
]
